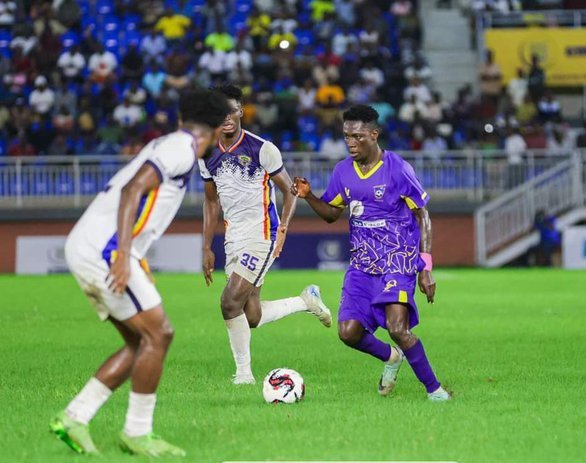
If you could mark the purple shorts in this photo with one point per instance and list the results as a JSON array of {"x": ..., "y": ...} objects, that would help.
[{"x": 365, "y": 296}]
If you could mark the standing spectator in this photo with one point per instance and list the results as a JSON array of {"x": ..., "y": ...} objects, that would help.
[
  {"x": 154, "y": 79},
  {"x": 71, "y": 63},
  {"x": 153, "y": 47},
  {"x": 548, "y": 108},
  {"x": 515, "y": 147},
  {"x": 132, "y": 64},
  {"x": 135, "y": 94},
  {"x": 173, "y": 26},
  {"x": 536, "y": 79},
  {"x": 258, "y": 27},
  {"x": 102, "y": 65},
  {"x": 490, "y": 78},
  {"x": 342, "y": 40},
  {"x": 42, "y": 97},
  {"x": 517, "y": 88},
  {"x": 306, "y": 97},
  {"x": 66, "y": 98}
]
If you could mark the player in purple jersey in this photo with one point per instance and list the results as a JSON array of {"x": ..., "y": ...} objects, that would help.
[{"x": 390, "y": 235}]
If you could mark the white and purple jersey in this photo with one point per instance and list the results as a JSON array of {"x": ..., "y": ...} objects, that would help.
[
  {"x": 384, "y": 234},
  {"x": 242, "y": 173}
]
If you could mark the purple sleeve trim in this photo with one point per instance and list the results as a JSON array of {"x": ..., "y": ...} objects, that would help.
[
  {"x": 272, "y": 174},
  {"x": 157, "y": 169}
]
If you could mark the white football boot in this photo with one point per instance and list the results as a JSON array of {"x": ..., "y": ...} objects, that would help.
[
  {"x": 315, "y": 305},
  {"x": 388, "y": 379},
  {"x": 439, "y": 395}
]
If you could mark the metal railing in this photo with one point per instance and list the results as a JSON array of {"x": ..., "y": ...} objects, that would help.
[
  {"x": 472, "y": 176},
  {"x": 512, "y": 215},
  {"x": 557, "y": 18}
]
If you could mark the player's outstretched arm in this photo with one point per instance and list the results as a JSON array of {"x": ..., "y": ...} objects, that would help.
[
  {"x": 302, "y": 189},
  {"x": 283, "y": 181},
  {"x": 425, "y": 280},
  {"x": 211, "y": 214},
  {"x": 145, "y": 180}
]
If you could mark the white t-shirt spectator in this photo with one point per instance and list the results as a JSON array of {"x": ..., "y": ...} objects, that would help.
[
  {"x": 306, "y": 99},
  {"x": 333, "y": 149},
  {"x": 7, "y": 12},
  {"x": 408, "y": 109},
  {"x": 42, "y": 101},
  {"x": 341, "y": 42},
  {"x": 213, "y": 61},
  {"x": 515, "y": 146},
  {"x": 103, "y": 64},
  {"x": 26, "y": 43},
  {"x": 420, "y": 91},
  {"x": 517, "y": 90},
  {"x": 127, "y": 115},
  {"x": 287, "y": 26},
  {"x": 373, "y": 76},
  {"x": 71, "y": 64},
  {"x": 234, "y": 57},
  {"x": 153, "y": 47}
]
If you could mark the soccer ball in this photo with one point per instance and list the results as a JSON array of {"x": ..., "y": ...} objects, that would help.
[{"x": 283, "y": 385}]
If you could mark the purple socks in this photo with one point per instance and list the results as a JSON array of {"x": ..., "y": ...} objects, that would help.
[
  {"x": 421, "y": 367},
  {"x": 374, "y": 346}
]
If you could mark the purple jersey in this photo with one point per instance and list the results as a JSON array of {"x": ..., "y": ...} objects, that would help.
[{"x": 384, "y": 234}]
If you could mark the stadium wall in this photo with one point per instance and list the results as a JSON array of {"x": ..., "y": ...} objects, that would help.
[{"x": 453, "y": 235}]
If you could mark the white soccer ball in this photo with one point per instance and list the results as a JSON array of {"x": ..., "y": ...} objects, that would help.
[{"x": 283, "y": 385}]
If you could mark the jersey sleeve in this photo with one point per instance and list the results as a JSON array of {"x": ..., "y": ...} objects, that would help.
[
  {"x": 410, "y": 187},
  {"x": 172, "y": 157},
  {"x": 204, "y": 172},
  {"x": 270, "y": 158},
  {"x": 334, "y": 194}
]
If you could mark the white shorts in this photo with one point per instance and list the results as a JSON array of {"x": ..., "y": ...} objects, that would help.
[
  {"x": 250, "y": 260},
  {"x": 140, "y": 295}
]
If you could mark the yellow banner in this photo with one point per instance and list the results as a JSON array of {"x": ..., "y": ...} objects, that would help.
[{"x": 562, "y": 52}]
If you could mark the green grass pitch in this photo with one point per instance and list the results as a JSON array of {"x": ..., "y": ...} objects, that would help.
[{"x": 510, "y": 344}]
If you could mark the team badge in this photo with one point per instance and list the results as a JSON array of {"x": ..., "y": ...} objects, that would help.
[
  {"x": 244, "y": 160},
  {"x": 379, "y": 192}
]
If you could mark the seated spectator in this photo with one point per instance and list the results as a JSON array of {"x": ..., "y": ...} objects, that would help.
[
  {"x": 157, "y": 128},
  {"x": 20, "y": 116},
  {"x": 419, "y": 69},
  {"x": 333, "y": 146},
  {"x": 517, "y": 88},
  {"x": 127, "y": 114},
  {"x": 136, "y": 94},
  {"x": 41, "y": 133},
  {"x": 60, "y": 146},
  {"x": 548, "y": 108},
  {"x": 345, "y": 12},
  {"x": 107, "y": 99},
  {"x": 132, "y": 64},
  {"x": 110, "y": 132},
  {"x": 8, "y": 10},
  {"x": 173, "y": 26},
  {"x": 361, "y": 92},
  {"x": 559, "y": 137},
  {"x": 342, "y": 40},
  {"x": 25, "y": 39},
  {"x": 63, "y": 121},
  {"x": 419, "y": 89},
  {"x": 384, "y": 109},
  {"x": 284, "y": 22},
  {"x": 319, "y": 8},
  {"x": 150, "y": 11},
  {"x": 527, "y": 112},
  {"x": 20, "y": 146},
  {"x": 153, "y": 47},
  {"x": 214, "y": 13},
  {"x": 238, "y": 56},
  {"x": 220, "y": 40},
  {"x": 413, "y": 108},
  {"x": 154, "y": 79},
  {"x": 102, "y": 65},
  {"x": 71, "y": 63},
  {"x": 177, "y": 64},
  {"x": 65, "y": 97},
  {"x": 306, "y": 97},
  {"x": 322, "y": 73},
  {"x": 436, "y": 108},
  {"x": 282, "y": 41},
  {"x": 42, "y": 98},
  {"x": 86, "y": 117},
  {"x": 324, "y": 30},
  {"x": 214, "y": 63},
  {"x": 402, "y": 8},
  {"x": 258, "y": 27},
  {"x": 372, "y": 75},
  {"x": 267, "y": 112},
  {"x": 369, "y": 40},
  {"x": 330, "y": 94},
  {"x": 433, "y": 144}
]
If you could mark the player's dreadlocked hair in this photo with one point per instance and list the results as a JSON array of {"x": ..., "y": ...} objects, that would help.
[
  {"x": 230, "y": 91},
  {"x": 362, "y": 113},
  {"x": 203, "y": 107}
]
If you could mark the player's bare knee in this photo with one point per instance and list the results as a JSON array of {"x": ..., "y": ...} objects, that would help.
[
  {"x": 230, "y": 307},
  {"x": 348, "y": 336}
]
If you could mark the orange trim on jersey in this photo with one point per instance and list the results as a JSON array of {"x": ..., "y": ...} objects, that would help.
[
  {"x": 234, "y": 145},
  {"x": 145, "y": 213},
  {"x": 265, "y": 204}
]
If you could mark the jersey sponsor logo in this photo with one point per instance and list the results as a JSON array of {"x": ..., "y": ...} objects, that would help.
[
  {"x": 369, "y": 223},
  {"x": 379, "y": 191}
]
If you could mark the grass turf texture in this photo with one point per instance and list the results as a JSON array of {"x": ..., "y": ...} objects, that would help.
[{"x": 510, "y": 344}]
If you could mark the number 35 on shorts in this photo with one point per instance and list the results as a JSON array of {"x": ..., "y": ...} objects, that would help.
[{"x": 249, "y": 261}]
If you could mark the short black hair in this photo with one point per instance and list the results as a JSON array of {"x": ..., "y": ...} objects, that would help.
[
  {"x": 230, "y": 91},
  {"x": 203, "y": 107},
  {"x": 362, "y": 113}
]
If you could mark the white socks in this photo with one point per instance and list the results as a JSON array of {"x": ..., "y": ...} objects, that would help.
[
  {"x": 274, "y": 310},
  {"x": 239, "y": 334},
  {"x": 90, "y": 399},
  {"x": 139, "y": 418}
]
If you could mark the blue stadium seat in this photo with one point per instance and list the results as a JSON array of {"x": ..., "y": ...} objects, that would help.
[
  {"x": 5, "y": 39},
  {"x": 287, "y": 141},
  {"x": 42, "y": 185},
  {"x": 304, "y": 37},
  {"x": 307, "y": 124},
  {"x": 64, "y": 184},
  {"x": 104, "y": 7},
  {"x": 244, "y": 7},
  {"x": 69, "y": 39},
  {"x": 130, "y": 37},
  {"x": 237, "y": 23},
  {"x": 132, "y": 22},
  {"x": 310, "y": 140},
  {"x": 88, "y": 184},
  {"x": 110, "y": 24}
]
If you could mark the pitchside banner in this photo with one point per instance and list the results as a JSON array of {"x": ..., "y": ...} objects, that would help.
[
  {"x": 317, "y": 251},
  {"x": 574, "y": 248},
  {"x": 562, "y": 52},
  {"x": 172, "y": 253}
]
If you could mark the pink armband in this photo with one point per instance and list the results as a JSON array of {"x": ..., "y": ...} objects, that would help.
[{"x": 428, "y": 261}]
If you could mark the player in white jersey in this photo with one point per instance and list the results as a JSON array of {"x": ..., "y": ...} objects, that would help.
[
  {"x": 103, "y": 252},
  {"x": 240, "y": 176}
]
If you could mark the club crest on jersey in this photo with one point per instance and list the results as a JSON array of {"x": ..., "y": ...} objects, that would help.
[
  {"x": 379, "y": 192},
  {"x": 244, "y": 160},
  {"x": 390, "y": 285}
]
